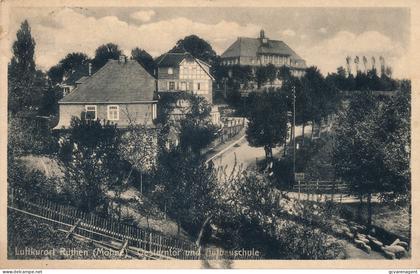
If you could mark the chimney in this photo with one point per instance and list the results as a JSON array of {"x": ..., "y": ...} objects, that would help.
[
  {"x": 122, "y": 59},
  {"x": 90, "y": 69}
]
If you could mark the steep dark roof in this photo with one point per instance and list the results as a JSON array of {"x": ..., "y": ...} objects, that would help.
[
  {"x": 115, "y": 82},
  {"x": 250, "y": 47},
  {"x": 172, "y": 59}
]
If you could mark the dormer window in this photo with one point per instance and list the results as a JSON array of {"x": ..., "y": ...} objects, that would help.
[
  {"x": 66, "y": 90},
  {"x": 170, "y": 71}
]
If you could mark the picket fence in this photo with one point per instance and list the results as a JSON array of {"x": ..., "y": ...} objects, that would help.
[{"x": 145, "y": 244}]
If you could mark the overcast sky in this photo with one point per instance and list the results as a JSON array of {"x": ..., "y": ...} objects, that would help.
[{"x": 322, "y": 36}]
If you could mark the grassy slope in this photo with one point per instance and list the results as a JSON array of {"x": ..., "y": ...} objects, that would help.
[
  {"x": 133, "y": 208},
  {"x": 27, "y": 232}
]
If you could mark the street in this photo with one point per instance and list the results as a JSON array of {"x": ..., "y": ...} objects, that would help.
[{"x": 244, "y": 154}]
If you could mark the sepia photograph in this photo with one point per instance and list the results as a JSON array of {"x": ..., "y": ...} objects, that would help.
[{"x": 213, "y": 134}]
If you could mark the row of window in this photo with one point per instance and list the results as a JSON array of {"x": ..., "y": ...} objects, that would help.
[
  {"x": 266, "y": 59},
  {"x": 113, "y": 112},
  {"x": 190, "y": 72},
  {"x": 188, "y": 86}
]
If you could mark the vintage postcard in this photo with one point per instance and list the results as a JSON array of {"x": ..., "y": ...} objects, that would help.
[{"x": 209, "y": 134}]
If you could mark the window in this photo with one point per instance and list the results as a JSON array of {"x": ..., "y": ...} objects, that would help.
[
  {"x": 154, "y": 111},
  {"x": 113, "y": 113},
  {"x": 66, "y": 90},
  {"x": 198, "y": 86},
  {"x": 90, "y": 112},
  {"x": 171, "y": 85},
  {"x": 183, "y": 86},
  {"x": 170, "y": 71}
]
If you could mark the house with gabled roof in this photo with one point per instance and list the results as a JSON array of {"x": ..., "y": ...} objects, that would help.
[
  {"x": 182, "y": 72},
  {"x": 121, "y": 92},
  {"x": 262, "y": 51}
]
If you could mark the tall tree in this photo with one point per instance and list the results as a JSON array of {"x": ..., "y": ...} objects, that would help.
[
  {"x": 198, "y": 47},
  {"x": 144, "y": 59},
  {"x": 104, "y": 53},
  {"x": 267, "y": 117},
  {"x": 357, "y": 156},
  {"x": 394, "y": 133},
  {"x": 26, "y": 86},
  {"x": 323, "y": 97}
]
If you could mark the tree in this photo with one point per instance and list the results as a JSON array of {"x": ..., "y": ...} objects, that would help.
[
  {"x": 265, "y": 74},
  {"x": 185, "y": 183},
  {"x": 198, "y": 47},
  {"x": 189, "y": 187},
  {"x": 323, "y": 99},
  {"x": 357, "y": 157},
  {"x": 23, "y": 50},
  {"x": 139, "y": 148},
  {"x": 144, "y": 59},
  {"x": 104, "y": 53},
  {"x": 26, "y": 86},
  {"x": 194, "y": 128},
  {"x": 93, "y": 165},
  {"x": 243, "y": 74},
  {"x": 267, "y": 117},
  {"x": 394, "y": 132},
  {"x": 68, "y": 65}
]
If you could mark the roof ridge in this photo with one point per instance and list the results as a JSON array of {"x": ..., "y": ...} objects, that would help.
[
  {"x": 163, "y": 57},
  {"x": 89, "y": 78}
]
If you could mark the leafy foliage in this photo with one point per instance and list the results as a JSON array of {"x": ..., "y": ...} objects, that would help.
[
  {"x": 93, "y": 163},
  {"x": 198, "y": 47},
  {"x": 372, "y": 145},
  {"x": 144, "y": 59},
  {"x": 138, "y": 146},
  {"x": 187, "y": 187},
  {"x": 104, "y": 53},
  {"x": 27, "y": 135},
  {"x": 369, "y": 80},
  {"x": 266, "y": 74},
  {"x": 188, "y": 115},
  {"x": 267, "y": 120},
  {"x": 66, "y": 66}
]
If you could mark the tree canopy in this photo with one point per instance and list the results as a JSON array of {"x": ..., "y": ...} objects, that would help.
[
  {"x": 267, "y": 117},
  {"x": 372, "y": 145},
  {"x": 71, "y": 62},
  {"x": 144, "y": 59},
  {"x": 104, "y": 53},
  {"x": 198, "y": 47}
]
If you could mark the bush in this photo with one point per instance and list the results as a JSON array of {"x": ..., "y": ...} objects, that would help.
[
  {"x": 28, "y": 135},
  {"x": 304, "y": 242}
]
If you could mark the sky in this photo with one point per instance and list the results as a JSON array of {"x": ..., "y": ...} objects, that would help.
[{"x": 322, "y": 36}]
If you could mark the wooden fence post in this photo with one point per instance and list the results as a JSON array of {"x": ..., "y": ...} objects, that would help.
[{"x": 150, "y": 241}]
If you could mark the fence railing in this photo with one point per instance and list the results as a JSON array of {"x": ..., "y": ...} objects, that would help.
[
  {"x": 319, "y": 187},
  {"x": 101, "y": 229},
  {"x": 232, "y": 126}
]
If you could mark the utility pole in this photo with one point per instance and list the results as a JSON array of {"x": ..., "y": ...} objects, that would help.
[{"x": 294, "y": 129}]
